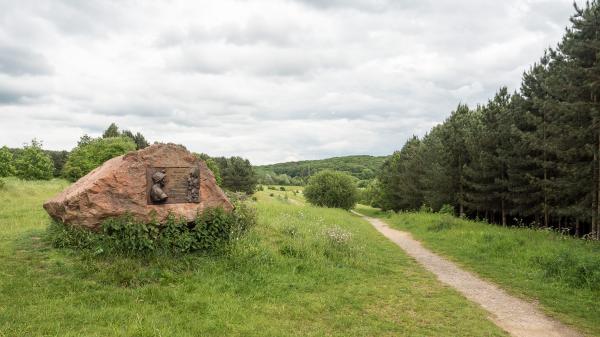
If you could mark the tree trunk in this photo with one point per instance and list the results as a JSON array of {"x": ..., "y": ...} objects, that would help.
[
  {"x": 461, "y": 206},
  {"x": 546, "y": 213},
  {"x": 545, "y": 183},
  {"x": 595, "y": 224},
  {"x": 596, "y": 209},
  {"x": 577, "y": 228},
  {"x": 503, "y": 214}
]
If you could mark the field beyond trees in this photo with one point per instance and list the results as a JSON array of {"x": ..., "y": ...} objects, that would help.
[{"x": 302, "y": 271}]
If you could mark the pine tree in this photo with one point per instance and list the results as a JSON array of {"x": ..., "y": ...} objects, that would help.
[
  {"x": 111, "y": 131},
  {"x": 437, "y": 182},
  {"x": 454, "y": 138},
  {"x": 580, "y": 53},
  {"x": 411, "y": 175}
]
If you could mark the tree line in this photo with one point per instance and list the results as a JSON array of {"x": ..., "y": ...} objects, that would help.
[
  {"x": 362, "y": 167},
  {"x": 532, "y": 156},
  {"x": 32, "y": 162}
]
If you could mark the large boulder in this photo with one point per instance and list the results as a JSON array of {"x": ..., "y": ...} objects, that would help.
[{"x": 148, "y": 184}]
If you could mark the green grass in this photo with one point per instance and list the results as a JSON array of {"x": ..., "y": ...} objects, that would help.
[
  {"x": 297, "y": 273},
  {"x": 560, "y": 272},
  {"x": 292, "y": 195}
]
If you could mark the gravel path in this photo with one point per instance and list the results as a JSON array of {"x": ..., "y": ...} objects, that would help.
[{"x": 516, "y": 316}]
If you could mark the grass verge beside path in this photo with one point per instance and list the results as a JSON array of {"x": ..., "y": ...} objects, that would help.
[
  {"x": 559, "y": 272},
  {"x": 302, "y": 271}
]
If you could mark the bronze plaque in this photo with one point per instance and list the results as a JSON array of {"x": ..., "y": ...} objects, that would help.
[{"x": 173, "y": 185}]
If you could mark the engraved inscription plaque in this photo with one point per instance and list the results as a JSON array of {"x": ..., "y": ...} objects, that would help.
[{"x": 172, "y": 185}]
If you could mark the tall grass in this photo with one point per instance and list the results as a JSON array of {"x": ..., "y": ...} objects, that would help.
[{"x": 301, "y": 271}]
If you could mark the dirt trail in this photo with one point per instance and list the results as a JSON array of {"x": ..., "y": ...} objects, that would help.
[{"x": 516, "y": 316}]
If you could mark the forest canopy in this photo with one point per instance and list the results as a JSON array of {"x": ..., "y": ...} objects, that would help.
[{"x": 530, "y": 156}]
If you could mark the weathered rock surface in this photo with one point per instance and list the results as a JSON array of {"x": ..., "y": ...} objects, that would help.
[{"x": 120, "y": 186}]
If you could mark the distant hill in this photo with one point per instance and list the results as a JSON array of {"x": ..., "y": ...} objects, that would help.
[{"x": 362, "y": 167}]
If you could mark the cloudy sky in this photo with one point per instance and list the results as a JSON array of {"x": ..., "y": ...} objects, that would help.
[{"x": 268, "y": 80}]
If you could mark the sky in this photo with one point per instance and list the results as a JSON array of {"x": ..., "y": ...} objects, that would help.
[{"x": 271, "y": 81}]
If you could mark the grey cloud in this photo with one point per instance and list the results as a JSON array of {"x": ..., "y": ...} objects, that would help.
[
  {"x": 545, "y": 16},
  {"x": 84, "y": 18},
  {"x": 256, "y": 30},
  {"x": 369, "y": 5},
  {"x": 17, "y": 96},
  {"x": 9, "y": 97},
  {"x": 270, "y": 80},
  {"x": 20, "y": 61}
]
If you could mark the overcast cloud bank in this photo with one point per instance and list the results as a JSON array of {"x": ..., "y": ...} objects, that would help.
[{"x": 269, "y": 80}]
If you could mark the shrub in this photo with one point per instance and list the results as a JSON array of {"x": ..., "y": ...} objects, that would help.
[
  {"x": 33, "y": 164},
  {"x": 214, "y": 229},
  {"x": 2, "y": 184},
  {"x": 6, "y": 162},
  {"x": 212, "y": 166},
  {"x": 425, "y": 209},
  {"x": 447, "y": 209},
  {"x": 371, "y": 194},
  {"x": 331, "y": 189},
  {"x": 282, "y": 188},
  {"x": 237, "y": 174},
  {"x": 92, "y": 153}
]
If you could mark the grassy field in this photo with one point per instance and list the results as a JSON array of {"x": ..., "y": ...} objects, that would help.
[
  {"x": 559, "y": 272},
  {"x": 302, "y": 271}
]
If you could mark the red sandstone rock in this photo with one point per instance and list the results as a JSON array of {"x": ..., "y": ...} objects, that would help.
[{"x": 120, "y": 186}]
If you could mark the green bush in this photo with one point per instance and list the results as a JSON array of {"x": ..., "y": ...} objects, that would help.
[
  {"x": 371, "y": 194},
  {"x": 447, "y": 209},
  {"x": 2, "y": 184},
  {"x": 92, "y": 153},
  {"x": 213, "y": 230},
  {"x": 33, "y": 164},
  {"x": 331, "y": 189},
  {"x": 425, "y": 209},
  {"x": 281, "y": 188},
  {"x": 6, "y": 162},
  {"x": 212, "y": 166}
]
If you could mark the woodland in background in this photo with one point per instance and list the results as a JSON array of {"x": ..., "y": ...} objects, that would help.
[
  {"x": 362, "y": 167},
  {"x": 532, "y": 156}
]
